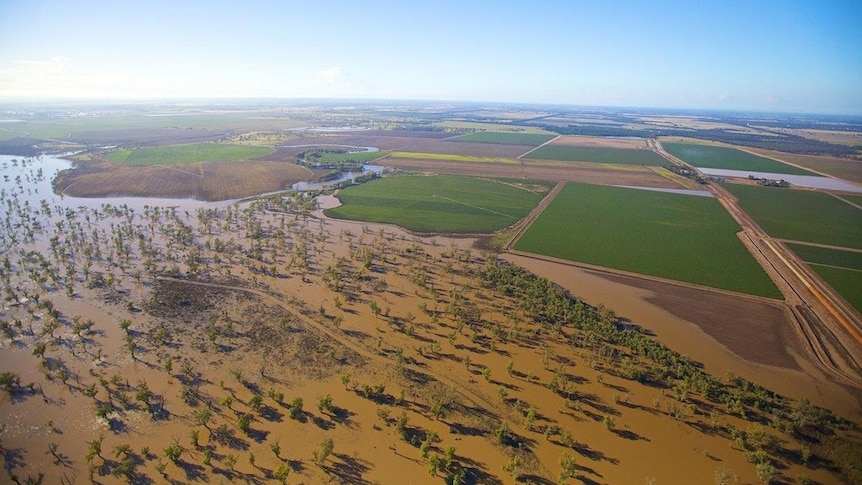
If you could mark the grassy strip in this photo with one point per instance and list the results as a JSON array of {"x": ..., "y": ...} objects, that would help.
[
  {"x": 672, "y": 236},
  {"x": 801, "y": 215},
  {"x": 707, "y": 156},
  {"x": 190, "y": 153},
  {"x": 451, "y": 157},
  {"x": 531, "y": 139},
  {"x": 625, "y": 156},
  {"x": 361, "y": 157},
  {"x": 442, "y": 203}
]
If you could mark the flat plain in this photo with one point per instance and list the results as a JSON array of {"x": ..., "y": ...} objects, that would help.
[
  {"x": 678, "y": 237},
  {"x": 623, "y": 156},
  {"x": 180, "y": 343},
  {"x": 710, "y": 156},
  {"x": 189, "y": 153},
  {"x": 534, "y": 139},
  {"x": 437, "y": 204},
  {"x": 799, "y": 215}
]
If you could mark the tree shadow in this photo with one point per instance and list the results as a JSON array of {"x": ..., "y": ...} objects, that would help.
[
  {"x": 350, "y": 469},
  {"x": 630, "y": 435},
  {"x": 271, "y": 414}
]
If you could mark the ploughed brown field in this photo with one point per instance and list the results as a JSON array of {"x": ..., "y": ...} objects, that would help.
[{"x": 202, "y": 181}]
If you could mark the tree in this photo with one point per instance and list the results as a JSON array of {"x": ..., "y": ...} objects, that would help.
[
  {"x": 244, "y": 422},
  {"x": 173, "y": 452},
  {"x": 281, "y": 473},
  {"x": 513, "y": 467},
  {"x": 255, "y": 402},
  {"x": 501, "y": 434},
  {"x": 295, "y": 409},
  {"x": 324, "y": 403},
  {"x": 203, "y": 416},
  {"x": 765, "y": 472},
  {"x": 568, "y": 469},
  {"x": 323, "y": 451},
  {"x": 39, "y": 350}
]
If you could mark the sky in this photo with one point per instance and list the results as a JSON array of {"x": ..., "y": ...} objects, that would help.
[{"x": 779, "y": 55}]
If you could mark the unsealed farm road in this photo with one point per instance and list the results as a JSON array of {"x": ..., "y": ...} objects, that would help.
[{"x": 827, "y": 322}]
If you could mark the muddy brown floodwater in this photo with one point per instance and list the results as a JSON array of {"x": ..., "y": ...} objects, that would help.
[{"x": 751, "y": 339}]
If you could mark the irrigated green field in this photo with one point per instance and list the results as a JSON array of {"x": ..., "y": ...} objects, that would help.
[
  {"x": 532, "y": 139},
  {"x": 841, "y": 269},
  {"x": 707, "y": 156},
  {"x": 679, "y": 237},
  {"x": 439, "y": 203},
  {"x": 847, "y": 282},
  {"x": 190, "y": 153},
  {"x": 625, "y": 156},
  {"x": 855, "y": 199},
  {"x": 828, "y": 256},
  {"x": 801, "y": 215},
  {"x": 351, "y": 157}
]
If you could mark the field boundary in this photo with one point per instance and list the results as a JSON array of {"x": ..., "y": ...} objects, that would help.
[
  {"x": 528, "y": 221},
  {"x": 536, "y": 148}
]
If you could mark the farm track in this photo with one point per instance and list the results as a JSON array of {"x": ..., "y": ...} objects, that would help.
[
  {"x": 827, "y": 323},
  {"x": 536, "y": 148},
  {"x": 543, "y": 204}
]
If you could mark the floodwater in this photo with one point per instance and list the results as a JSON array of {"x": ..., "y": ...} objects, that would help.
[
  {"x": 342, "y": 177},
  {"x": 808, "y": 181},
  {"x": 29, "y": 179}
]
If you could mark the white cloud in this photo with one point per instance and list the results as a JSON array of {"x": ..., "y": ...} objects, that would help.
[{"x": 337, "y": 81}]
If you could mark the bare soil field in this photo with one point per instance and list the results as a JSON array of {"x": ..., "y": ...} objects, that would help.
[
  {"x": 711, "y": 337},
  {"x": 757, "y": 331},
  {"x": 600, "y": 141},
  {"x": 589, "y": 173},
  {"x": 202, "y": 181}
]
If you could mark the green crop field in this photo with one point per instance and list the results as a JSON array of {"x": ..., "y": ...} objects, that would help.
[
  {"x": 625, "y": 156},
  {"x": 845, "y": 281},
  {"x": 708, "y": 156},
  {"x": 351, "y": 157},
  {"x": 679, "y": 237},
  {"x": 841, "y": 269},
  {"x": 855, "y": 199},
  {"x": 190, "y": 153},
  {"x": 440, "y": 203},
  {"x": 532, "y": 139},
  {"x": 801, "y": 215},
  {"x": 828, "y": 256}
]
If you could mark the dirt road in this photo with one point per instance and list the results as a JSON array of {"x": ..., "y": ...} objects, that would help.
[{"x": 826, "y": 321}]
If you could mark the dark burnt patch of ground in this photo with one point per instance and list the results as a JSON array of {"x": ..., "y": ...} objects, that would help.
[{"x": 223, "y": 323}]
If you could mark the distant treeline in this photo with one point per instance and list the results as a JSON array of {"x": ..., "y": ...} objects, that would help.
[{"x": 775, "y": 141}]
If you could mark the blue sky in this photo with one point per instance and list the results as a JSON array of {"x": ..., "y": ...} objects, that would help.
[{"x": 760, "y": 55}]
